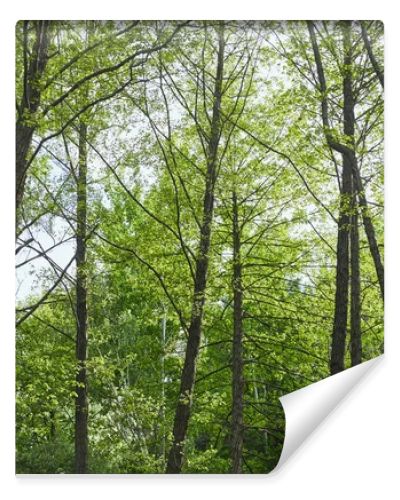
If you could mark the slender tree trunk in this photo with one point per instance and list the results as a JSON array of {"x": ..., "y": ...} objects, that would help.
[
  {"x": 162, "y": 426},
  {"x": 23, "y": 136},
  {"x": 237, "y": 348},
  {"x": 342, "y": 274},
  {"x": 355, "y": 301},
  {"x": 373, "y": 61},
  {"x": 342, "y": 252},
  {"x": 183, "y": 409},
  {"x": 25, "y": 126},
  {"x": 369, "y": 229},
  {"x": 81, "y": 402},
  {"x": 342, "y": 268},
  {"x": 345, "y": 150},
  {"x": 350, "y": 172}
]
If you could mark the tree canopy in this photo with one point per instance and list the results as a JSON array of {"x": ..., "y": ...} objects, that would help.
[{"x": 199, "y": 232}]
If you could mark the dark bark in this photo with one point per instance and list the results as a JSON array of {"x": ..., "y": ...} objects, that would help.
[
  {"x": 25, "y": 126},
  {"x": 350, "y": 174},
  {"x": 344, "y": 149},
  {"x": 342, "y": 266},
  {"x": 342, "y": 274},
  {"x": 33, "y": 72},
  {"x": 342, "y": 253},
  {"x": 355, "y": 300},
  {"x": 183, "y": 409},
  {"x": 237, "y": 348},
  {"x": 81, "y": 402},
  {"x": 374, "y": 63},
  {"x": 369, "y": 229}
]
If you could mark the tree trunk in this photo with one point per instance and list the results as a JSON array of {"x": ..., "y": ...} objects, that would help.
[
  {"x": 342, "y": 268},
  {"x": 372, "y": 59},
  {"x": 369, "y": 229},
  {"x": 237, "y": 348},
  {"x": 345, "y": 150},
  {"x": 355, "y": 301},
  {"x": 183, "y": 409},
  {"x": 81, "y": 403},
  {"x": 349, "y": 173},
  {"x": 25, "y": 125},
  {"x": 342, "y": 274},
  {"x": 162, "y": 413}
]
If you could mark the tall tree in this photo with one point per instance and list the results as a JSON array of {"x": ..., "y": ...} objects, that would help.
[
  {"x": 182, "y": 414},
  {"x": 81, "y": 404},
  {"x": 61, "y": 101},
  {"x": 355, "y": 288},
  {"x": 237, "y": 345},
  {"x": 349, "y": 171},
  {"x": 34, "y": 65}
]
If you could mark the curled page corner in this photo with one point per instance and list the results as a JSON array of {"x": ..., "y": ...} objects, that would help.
[{"x": 308, "y": 407}]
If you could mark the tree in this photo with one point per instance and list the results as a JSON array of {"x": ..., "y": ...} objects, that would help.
[
  {"x": 33, "y": 70},
  {"x": 81, "y": 406},
  {"x": 350, "y": 170},
  {"x": 237, "y": 345},
  {"x": 193, "y": 205},
  {"x": 182, "y": 414},
  {"x": 40, "y": 84}
]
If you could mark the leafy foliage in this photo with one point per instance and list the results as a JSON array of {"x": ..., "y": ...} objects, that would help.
[{"x": 148, "y": 124}]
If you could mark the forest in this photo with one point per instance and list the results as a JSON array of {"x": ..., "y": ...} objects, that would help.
[{"x": 199, "y": 231}]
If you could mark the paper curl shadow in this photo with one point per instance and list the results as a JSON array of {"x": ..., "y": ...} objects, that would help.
[{"x": 308, "y": 407}]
